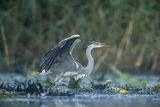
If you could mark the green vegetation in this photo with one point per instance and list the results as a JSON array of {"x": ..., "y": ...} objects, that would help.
[
  {"x": 74, "y": 84},
  {"x": 28, "y": 29},
  {"x": 8, "y": 95},
  {"x": 48, "y": 84},
  {"x": 132, "y": 80},
  {"x": 156, "y": 88}
]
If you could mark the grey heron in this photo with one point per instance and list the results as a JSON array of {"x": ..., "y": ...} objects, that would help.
[{"x": 59, "y": 59}]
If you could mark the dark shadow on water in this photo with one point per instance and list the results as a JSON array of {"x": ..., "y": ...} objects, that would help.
[{"x": 104, "y": 100}]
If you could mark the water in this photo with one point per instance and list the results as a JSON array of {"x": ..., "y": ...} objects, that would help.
[{"x": 87, "y": 100}]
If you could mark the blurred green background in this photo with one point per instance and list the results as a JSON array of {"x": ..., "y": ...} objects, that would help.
[{"x": 29, "y": 28}]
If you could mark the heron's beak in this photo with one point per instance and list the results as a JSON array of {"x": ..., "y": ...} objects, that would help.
[{"x": 104, "y": 45}]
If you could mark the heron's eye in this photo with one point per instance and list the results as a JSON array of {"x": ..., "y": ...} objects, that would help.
[{"x": 97, "y": 43}]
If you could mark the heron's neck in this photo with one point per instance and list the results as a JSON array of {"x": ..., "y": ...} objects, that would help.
[{"x": 89, "y": 67}]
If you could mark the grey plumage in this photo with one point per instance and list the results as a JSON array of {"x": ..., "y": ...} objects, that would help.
[
  {"x": 58, "y": 55},
  {"x": 60, "y": 59}
]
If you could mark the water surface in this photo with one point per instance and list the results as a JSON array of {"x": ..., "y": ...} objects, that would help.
[{"x": 86, "y": 100}]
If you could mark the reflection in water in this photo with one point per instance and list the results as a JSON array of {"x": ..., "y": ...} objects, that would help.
[{"x": 116, "y": 100}]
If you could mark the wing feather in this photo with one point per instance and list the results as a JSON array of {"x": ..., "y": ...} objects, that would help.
[
  {"x": 48, "y": 59},
  {"x": 63, "y": 47}
]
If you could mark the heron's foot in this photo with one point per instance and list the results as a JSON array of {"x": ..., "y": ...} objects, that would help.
[{"x": 54, "y": 84}]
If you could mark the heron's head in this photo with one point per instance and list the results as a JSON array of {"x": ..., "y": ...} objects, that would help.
[{"x": 95, "y": 44}]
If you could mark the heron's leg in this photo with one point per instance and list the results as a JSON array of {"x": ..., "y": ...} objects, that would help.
[{"x": 58, "y": 79}]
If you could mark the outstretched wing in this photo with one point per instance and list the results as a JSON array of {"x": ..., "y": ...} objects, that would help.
[{"x": 64, "y": 47}]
